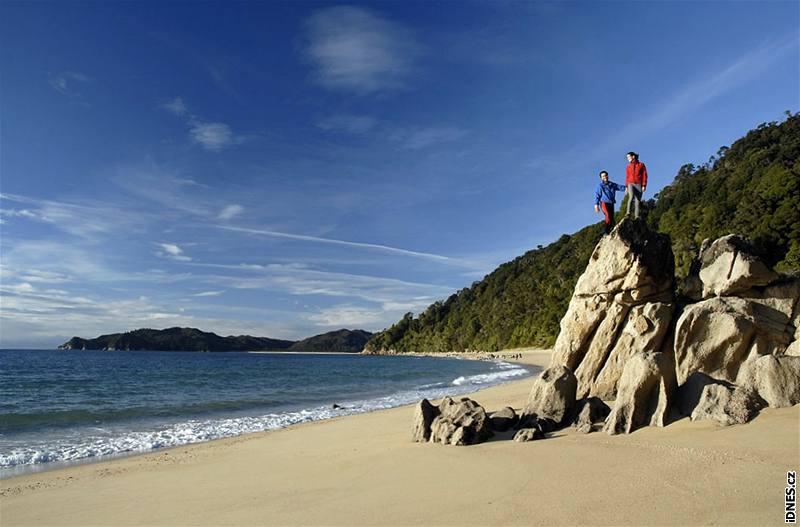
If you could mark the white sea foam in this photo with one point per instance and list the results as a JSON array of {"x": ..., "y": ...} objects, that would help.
[{"x": 99, "y": 442}]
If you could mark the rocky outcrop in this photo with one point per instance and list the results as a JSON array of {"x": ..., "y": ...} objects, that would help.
[
  {"x": 552, "y": 396},
  {"x": 622, "y": 305},
  {"x": 462, "y": 422},
  {"x": 645, "y": 395},
  {"x": 725, "y": 267},
  {"x": 734, "y": 351}
]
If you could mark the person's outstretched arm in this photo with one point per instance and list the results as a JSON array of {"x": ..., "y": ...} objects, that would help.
[{"x": 597, "y": 193}]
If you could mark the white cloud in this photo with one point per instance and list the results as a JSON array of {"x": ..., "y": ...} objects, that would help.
[
  {"x": 230, "y": 211},
  {"x": 355, "y": 50},
  {"x": 173, "y": 252},
  {"x": 176, "y": 106},
  {"x": 211, "y": 136},
  {"x": 353, "y": 124}
]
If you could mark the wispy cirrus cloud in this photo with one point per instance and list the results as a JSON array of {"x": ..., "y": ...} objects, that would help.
[
  {"x": 355, "y": 50},
  {"x": 701, "y": 90},
  {"x": 345, "y": 243},
  {"x": 90, "y": 220}
]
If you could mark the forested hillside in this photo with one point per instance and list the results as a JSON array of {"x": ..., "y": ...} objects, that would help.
[{"x": 751, "y": 188}]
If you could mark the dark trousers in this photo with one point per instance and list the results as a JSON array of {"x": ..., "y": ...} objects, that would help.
[{"x": 608, "y": 210}]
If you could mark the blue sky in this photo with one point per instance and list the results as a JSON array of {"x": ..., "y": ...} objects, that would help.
[{"x": 284, "y": 169}]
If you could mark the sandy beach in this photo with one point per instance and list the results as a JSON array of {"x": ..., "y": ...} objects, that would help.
[{"x": 364, "y": 470}]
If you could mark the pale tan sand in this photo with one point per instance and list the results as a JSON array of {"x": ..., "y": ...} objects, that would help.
[{"x": 363, "y": 470}]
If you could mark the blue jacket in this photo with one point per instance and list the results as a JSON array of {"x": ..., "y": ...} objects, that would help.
[{"x": 606, "y": 191}]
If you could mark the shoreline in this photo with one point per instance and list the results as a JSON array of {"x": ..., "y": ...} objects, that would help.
[
  {"x": 363, "y": 469},
  {"x": 11, "y": 473}
]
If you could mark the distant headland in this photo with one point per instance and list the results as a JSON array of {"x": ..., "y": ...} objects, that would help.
[{"x": 192, "y": 339}]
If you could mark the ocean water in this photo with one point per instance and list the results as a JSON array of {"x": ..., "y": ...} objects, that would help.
[{"x": 61, "y": 407}]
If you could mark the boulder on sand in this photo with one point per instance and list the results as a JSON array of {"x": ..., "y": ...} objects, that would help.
[
  {"x": 552, "y": 395},
  {"x": 462, "y": 422}
]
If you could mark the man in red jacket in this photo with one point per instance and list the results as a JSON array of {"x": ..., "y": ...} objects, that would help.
[{"x": 636, "y": 181}]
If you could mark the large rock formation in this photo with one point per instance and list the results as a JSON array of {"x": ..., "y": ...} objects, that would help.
[
  {"x": 645, "y": 395},
  {"x": 730, "y": 353},
  {"x": 622, "y": 305}
]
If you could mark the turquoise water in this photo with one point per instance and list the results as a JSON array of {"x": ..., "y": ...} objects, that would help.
[{"x": 70, "y": 406}]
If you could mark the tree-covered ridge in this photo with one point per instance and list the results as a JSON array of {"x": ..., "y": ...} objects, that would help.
[
  {"x": 751, "y": 188},
  {"x": 191, "y": 339},
  {"x": 343, "y": 340},
  {"x": 176, "y": 339}
]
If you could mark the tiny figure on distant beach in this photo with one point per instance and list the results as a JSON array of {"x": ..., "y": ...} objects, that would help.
[
  {"x": 605, "y": 197},
  {"x": 636, "y": 181}
]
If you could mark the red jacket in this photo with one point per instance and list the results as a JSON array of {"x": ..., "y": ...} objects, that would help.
[{"x": 636, "y": 174}]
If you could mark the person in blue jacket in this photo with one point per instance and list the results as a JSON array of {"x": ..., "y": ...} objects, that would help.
[{"x": 604, "y": 198}]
